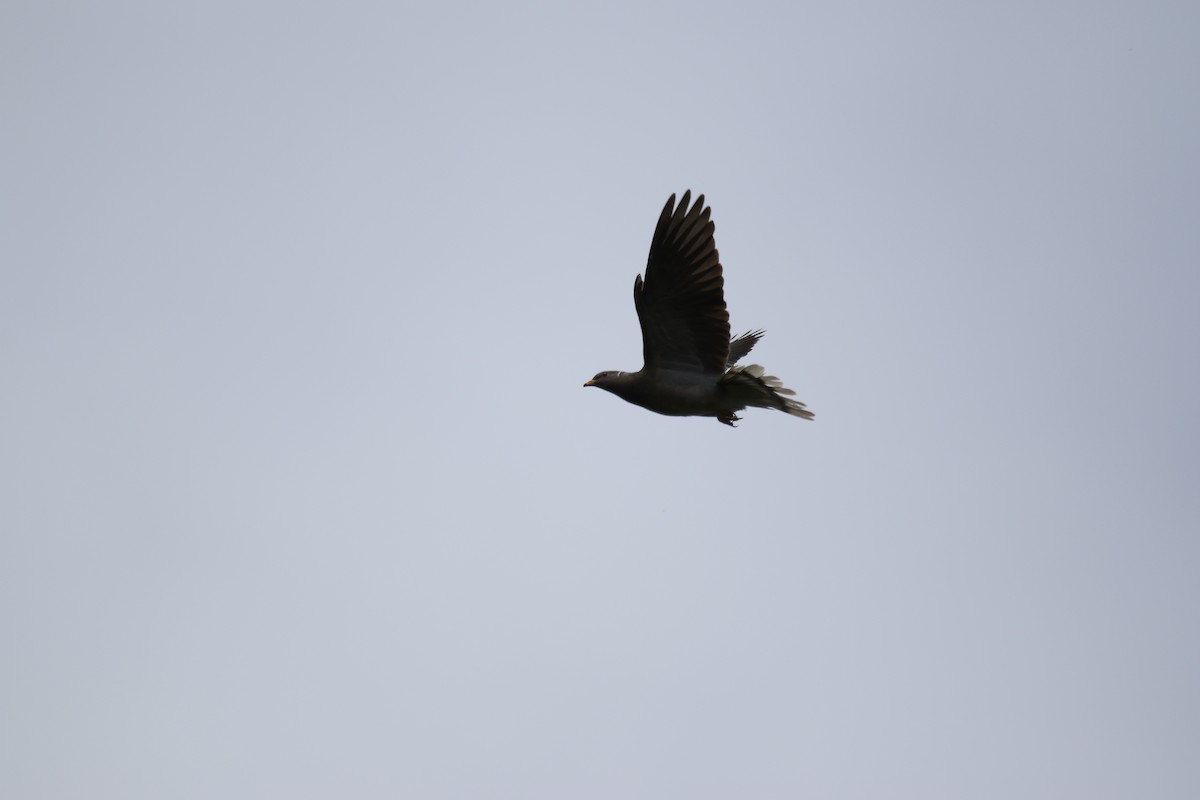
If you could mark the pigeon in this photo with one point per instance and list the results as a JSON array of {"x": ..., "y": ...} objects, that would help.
[{"x": 690, "y": 362}]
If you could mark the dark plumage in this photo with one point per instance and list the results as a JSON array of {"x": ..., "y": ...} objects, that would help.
[{"x": 689, "y": 367}]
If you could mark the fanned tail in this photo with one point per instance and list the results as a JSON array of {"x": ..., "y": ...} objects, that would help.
[{"x": 754, "y": 388}]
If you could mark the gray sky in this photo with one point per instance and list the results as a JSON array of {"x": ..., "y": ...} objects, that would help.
[{"x": 302, "y": 495}]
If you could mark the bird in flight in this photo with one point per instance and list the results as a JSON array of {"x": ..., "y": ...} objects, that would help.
[{"x": 690, "y": 367}]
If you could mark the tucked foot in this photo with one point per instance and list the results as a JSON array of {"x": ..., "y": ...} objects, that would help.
[{"x": 728, "y": 417}]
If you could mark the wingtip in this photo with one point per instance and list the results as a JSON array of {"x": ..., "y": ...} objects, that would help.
[{"x": 685, "y": 202}]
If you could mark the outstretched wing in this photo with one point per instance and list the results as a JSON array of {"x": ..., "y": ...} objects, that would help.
[
  {"x": 681, "y": 303},
  {"x": 740, "y": 346}
]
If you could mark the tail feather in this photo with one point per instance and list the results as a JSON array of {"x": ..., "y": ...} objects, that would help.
[{"x": 757, "y": 389}]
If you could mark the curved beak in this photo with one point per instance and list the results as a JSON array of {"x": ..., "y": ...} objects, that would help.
[{"x": 590, "y": 383}]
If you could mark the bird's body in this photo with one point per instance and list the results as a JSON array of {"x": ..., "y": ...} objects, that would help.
[
  {"x": 676, "y": 393},
  {"x": 690, "y": 361}
]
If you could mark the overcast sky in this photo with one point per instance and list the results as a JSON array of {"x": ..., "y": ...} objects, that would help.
[{"x": 301, "y": 494}]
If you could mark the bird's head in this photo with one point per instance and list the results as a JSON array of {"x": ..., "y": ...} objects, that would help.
[{"x": 606, "y": 379}]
